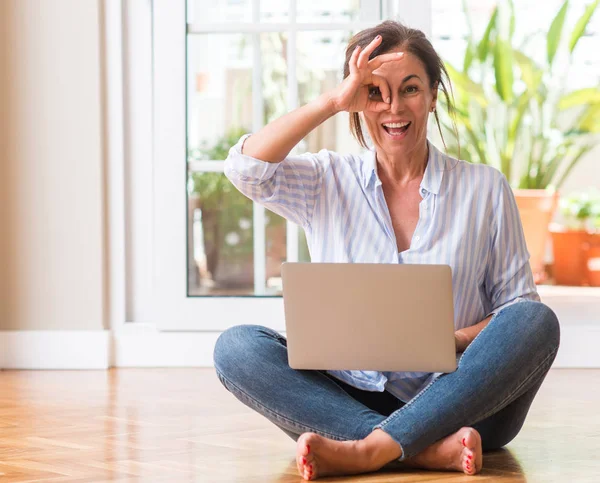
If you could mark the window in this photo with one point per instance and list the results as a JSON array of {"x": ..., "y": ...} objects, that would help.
[
  {"x": 532, "y": 20},
  {"x": 249, "y": 63},
  {"x": 222, "y": 67}
]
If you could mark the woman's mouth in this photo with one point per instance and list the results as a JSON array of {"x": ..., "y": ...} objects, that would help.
[{"x": 396, "y": 130}]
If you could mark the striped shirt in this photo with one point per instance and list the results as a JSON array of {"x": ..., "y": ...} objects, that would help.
[{"x": 468, "y": 219}]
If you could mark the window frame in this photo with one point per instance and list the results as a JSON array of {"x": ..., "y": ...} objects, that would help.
[{"x": 173, "y": 309}]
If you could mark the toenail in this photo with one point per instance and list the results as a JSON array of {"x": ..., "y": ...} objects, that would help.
[
  {"x": 303, "y": 460},
  {"x": 470, "y": 456},
  {"x": 463, "y": 442}
]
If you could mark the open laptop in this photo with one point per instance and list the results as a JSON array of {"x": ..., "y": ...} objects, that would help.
[{"x": 369, "y": 316}]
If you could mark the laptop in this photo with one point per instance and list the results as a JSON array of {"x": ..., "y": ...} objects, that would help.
[{"x": 369, "y": 316}]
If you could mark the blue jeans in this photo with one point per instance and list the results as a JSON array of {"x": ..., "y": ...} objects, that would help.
[{"x": 497, "y": 378}]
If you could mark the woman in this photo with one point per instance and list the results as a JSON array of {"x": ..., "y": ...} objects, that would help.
[{"x": 403, "y": 202}]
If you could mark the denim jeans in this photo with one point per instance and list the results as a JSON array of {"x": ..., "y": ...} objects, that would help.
[{"x": 497, "y": 378}]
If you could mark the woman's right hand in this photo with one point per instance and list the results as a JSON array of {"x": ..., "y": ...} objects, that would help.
[{"x": 353, "y": 94}]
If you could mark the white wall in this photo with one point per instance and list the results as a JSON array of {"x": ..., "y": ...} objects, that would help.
[{"x": 51, "y": 216}]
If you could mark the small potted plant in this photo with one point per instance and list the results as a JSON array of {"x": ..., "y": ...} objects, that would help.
[
  {"x": 593, "y": 247},
  {"x": 572, "y": 241}
]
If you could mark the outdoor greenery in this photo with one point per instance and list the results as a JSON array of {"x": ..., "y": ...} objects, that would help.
[
  {"x": 514, "y": 111},
  {"x": 222, "y": 206},
  {"x": 224, "y": 209},
  {"x": 581, "y": 210}
]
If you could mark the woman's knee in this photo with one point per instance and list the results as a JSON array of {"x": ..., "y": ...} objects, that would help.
[
  {"x": 236, "y": 346},
  {"x": 545, "y": 323},
  {"x": 537, "y": 321}
]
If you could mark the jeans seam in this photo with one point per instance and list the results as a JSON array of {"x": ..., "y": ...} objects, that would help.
[
  {"x": 535, "y": 372},
  {"x": 296, "y": 425},
  {"x": 396, "y": 413}
]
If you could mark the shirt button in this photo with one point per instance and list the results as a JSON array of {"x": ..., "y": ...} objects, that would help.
[{"x": 417, "y": 238}]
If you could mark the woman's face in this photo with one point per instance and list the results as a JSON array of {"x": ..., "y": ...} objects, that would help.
[{"x": 412, "y": 99}]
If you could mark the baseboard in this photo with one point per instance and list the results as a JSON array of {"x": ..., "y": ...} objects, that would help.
[
  {"x": 151, "y": 348},
  {"x": 143, "y": 345},
  {"x": 54, "y": 349}
]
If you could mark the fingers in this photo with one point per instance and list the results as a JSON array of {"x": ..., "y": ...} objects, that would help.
[
  {"x": 383, "y": 86},
  {"x": 375, "y": 106},
  {"x": 364, "y": 56},
  {"x": 353, "y": 58},
  {"x": 383, "y": 58}
]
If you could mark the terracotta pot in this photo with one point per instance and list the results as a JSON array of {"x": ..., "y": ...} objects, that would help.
[
  {"x": 536, "y": 208},
  {"x": 593, "y": 259},
  {"x": 568, "y": 247}
]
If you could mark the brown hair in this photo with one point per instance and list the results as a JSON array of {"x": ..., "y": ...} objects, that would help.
[{"x": 394, "y": 34}]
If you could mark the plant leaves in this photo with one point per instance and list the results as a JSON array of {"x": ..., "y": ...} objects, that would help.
[
  {"x": 466, "y": 85},
  {"x": 469, "y": 56},
  {"x": 483, "y": 47},
  {"x": 581, "y": 24},
  {"x": 503, "y": 68},
  {"x": 589, "y": 95},
  {"x": 555, "y": 32},
  {"x": 531, "y": 73}
]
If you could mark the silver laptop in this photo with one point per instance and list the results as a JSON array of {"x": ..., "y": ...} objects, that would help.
[{"x": 369, "y": 316}]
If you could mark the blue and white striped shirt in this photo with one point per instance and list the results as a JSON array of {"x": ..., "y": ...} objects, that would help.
[{"x": 468, "y": 219}]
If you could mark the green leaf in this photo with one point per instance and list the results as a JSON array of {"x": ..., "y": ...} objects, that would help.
[
  {"x": 531, "y": 73},
  {"x": 503, "y": 68},
  {"x": 483, "y": 48},
  {"x": 512, "y": 18},
  {"x": 590, "y": 121},
  {"x": 590, "y": 95},
  {"x": 469, "y": 56},
  {"x": 555, "y": 32},
  {"x": 466, "y": 85},
  {"x": 581, "y": 24}
]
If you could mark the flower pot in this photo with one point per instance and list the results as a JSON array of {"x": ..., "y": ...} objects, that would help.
[
  {"x": 536, "y": 208},
  {"x": 568, "y": 247},
  {"x": 593, "y": 259}
]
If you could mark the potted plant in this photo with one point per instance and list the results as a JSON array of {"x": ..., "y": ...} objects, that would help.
[
  {"x": 593, "y": 246},
  {"x": 227, "y": 224},
  {"x": 571, "y": 240},
  {"x": 516, "y": 114}
]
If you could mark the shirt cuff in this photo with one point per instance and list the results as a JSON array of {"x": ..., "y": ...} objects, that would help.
[
  {"x": 503, "y": 306},
  {"x": 246, "y": 168}
]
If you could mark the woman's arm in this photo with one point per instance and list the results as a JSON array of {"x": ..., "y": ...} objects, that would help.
[
  {"x": 464, "y": 337},
  {"x": 274, "y": 141}
]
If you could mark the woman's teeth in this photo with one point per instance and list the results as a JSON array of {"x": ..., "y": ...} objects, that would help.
[{"x": 396, "y": 128}]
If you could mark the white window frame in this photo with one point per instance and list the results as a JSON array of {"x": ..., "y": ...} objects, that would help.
[{"x": 173, "y": 309}]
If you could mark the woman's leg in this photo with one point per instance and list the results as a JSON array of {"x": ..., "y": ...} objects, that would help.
[
  {"x": 502, "y": 427},
  {"x": 506, "y": 362},
  {"x": 251, "y": 362}
]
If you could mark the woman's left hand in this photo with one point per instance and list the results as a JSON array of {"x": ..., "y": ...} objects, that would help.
[{"x": 462, "y": 341}]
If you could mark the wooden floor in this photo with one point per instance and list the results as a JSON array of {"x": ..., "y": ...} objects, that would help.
[{"x": 181, "y": 425}]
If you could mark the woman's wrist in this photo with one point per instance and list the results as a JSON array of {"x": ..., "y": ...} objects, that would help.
[
  {"x": 462, "y": 340},
  {"x": 328, "y": 104}
]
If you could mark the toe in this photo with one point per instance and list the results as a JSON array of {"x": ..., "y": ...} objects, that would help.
[{"x": 471, "y": 440}]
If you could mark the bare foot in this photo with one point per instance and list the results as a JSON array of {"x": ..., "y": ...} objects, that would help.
[
  {"x": 317, "y": 456},
  {"x": 460, "y": 451}
]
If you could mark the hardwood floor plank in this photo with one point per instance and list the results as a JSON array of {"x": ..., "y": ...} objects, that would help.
[{"x": 181, "y": 425}]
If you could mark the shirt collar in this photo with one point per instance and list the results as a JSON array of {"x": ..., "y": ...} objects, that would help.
[{"x": 432, "y": 178}]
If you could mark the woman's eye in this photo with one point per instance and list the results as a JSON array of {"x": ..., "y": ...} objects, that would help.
[
  {"x": 411, "y": 89},
  {"x": 374, "y": 91}
]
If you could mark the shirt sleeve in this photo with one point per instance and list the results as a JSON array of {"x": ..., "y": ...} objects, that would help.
[
  {"x": 509, "y": 278},
  {"x": 289, "y": 188}
]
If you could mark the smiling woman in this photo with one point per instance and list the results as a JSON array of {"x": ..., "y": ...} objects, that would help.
[
  {"x": 404, "y": 201},
  {"x": 410, "y": 86}
]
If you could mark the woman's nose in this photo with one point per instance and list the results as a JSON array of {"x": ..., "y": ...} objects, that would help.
[{"x": 397, "y": 104}]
